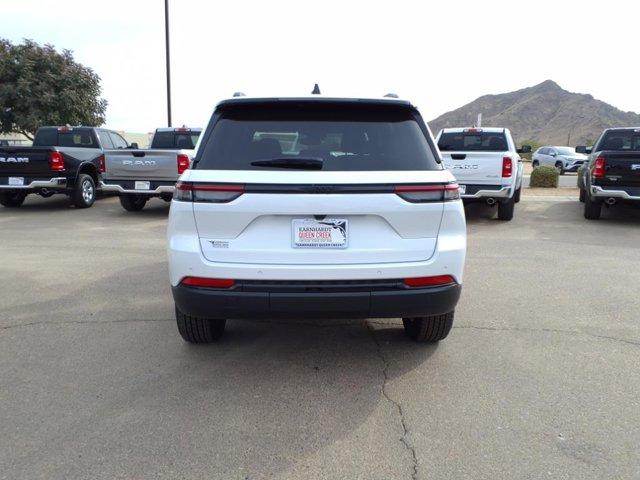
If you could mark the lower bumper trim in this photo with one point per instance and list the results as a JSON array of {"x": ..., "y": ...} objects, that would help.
[
  {"x": 275, "y": 303},
  {"x": 125, "y": 187}
]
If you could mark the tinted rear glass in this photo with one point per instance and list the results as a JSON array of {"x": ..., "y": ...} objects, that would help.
[
  {"x": 344, "y": 138},
  {"x": 76, "y": 137},
  {"x": 175, "y": 140},
  {"x": 621, "y": 140},
  {"x": 472, "y": 142}
]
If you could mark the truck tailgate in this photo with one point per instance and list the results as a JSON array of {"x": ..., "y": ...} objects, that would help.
[
  {"x": 141, "y": 164},
  {"x": 622, "y": 168},
  {"x": 24, "y": 161},
  {"x": 481, "y": 168}
]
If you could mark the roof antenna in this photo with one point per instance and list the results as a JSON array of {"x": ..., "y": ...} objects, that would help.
[{"x": 316, "y": 90}]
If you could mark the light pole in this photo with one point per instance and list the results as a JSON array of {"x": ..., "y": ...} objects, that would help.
[{"x": 168, "y": 60}]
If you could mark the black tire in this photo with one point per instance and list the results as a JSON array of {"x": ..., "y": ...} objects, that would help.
[
  {"x": 133, "y": 203},
  {"x": 12, "y": 199},
  {"x": 560, "y": 167},
  {"x": 583, "y": 195},
  {"x": 535, "y": 164},
  {"x": 592, "y": 210},
  {"x": 199, "y": 330},
  {"x": 431, "y": 329},
  {"x": 516, "y": 196},
  {"x": 84, "y": 195},
  {"x": 505, "y": 209}
]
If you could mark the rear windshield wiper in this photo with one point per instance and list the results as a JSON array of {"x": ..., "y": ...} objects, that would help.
[{"x": 295, "y": 163}]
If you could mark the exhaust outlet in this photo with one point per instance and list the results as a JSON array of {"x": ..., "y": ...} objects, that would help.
[
  {"x": 610, "y": 201},
  {"x": 491, "y": 201}
]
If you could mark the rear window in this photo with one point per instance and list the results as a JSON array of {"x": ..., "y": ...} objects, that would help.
[
  {"x": 52, "y": 137},
  {"x": 472, "y": 142},
  {"x": 175, "y": 140},
  {"x": 342, "y": 138},
  {"x": 621, "y": 140}
]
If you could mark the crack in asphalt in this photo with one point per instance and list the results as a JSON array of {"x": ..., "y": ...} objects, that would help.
[
  {"x": 398, "y": 406},
  {"x": 549, "y": 330}
]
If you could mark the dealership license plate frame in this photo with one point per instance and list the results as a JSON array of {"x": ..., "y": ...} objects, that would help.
[{"x": 334, "y": 226}]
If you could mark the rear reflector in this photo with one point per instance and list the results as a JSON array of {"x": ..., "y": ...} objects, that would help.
[
  {"x": 599, "y": 166},
  {"x": 507, "y": 167},
  {"x": 56, "y": 161},
  {"x": 428, "y": 193},
  {"x": 208, "y": 282},
  {"x": 183, "y": 163},
  {"x": 429, "y": 281},
  {"x": 102, "y": 164},
  {"x": 207, "y": 192}
]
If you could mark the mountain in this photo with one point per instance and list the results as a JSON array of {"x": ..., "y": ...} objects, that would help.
[{"x": 544, "y": 113}]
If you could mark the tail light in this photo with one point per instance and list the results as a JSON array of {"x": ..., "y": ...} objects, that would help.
[
  {"x": 208, "y": 282},
  {"x": 183, "y": 163},
  {"x": 438, "y": 280},
  {"x": 599, "y": 166},
  {"x": 428, "y": 193},
  {"x": 102, "y": 167},
  {"x": 207, "y": 192},
  {"x": 56, "y": 161},
  {"x": 507, "y": 167}
]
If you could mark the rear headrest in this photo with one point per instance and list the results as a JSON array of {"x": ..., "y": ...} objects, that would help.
[{"x": 497, "y": 143}]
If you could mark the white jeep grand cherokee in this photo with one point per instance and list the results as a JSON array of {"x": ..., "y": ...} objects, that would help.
[{"x": 316, "y": 208}]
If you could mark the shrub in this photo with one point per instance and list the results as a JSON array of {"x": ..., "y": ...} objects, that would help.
[{"x": 545, "y": 177}]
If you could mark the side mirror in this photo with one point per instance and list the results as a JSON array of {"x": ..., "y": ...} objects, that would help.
[
  {"x": 134, "y": 145},
  {"x": 524, "y": 149},
  {"x": 553, "y": 154}
]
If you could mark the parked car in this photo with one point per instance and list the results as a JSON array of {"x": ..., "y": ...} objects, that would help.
[
  {"x": 487, "y": 165},
  {"x": 564, "y": 159},
  {"x": 182, "y": 138},
  {"x": 62, "y": 160},
  {"x": 139, "y": 175},
  {"x": 316, "y": 207},
  {"x": 612, "y": 174}
]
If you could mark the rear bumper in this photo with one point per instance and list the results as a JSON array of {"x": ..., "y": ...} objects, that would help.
[
  {"x": 35, "y": 183},
  {"x": 247, "y": 302},
  {"x": 128, "y": 186},
  {"x": 486, "y": 191},
  {"x": 620, "y": 193}
]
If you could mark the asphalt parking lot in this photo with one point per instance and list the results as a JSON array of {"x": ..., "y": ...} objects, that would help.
[{"x": 539, "y": 378}]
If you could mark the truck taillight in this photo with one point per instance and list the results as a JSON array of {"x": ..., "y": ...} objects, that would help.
[
  {"x": 428, "y": 193},
  {"x": 102, "y": 164},
  {"x": 599, "y": 166},
  {"x": 56, "y": 161},
  {"x": 207, "y": 192},
  {"x": 183, "y": 163},
  {"x": 507, "y": 167}
]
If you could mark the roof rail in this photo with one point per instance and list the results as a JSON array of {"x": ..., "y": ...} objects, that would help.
[
  {"x": 391, "y": 95},
  {"x": 238, "y": 94}
]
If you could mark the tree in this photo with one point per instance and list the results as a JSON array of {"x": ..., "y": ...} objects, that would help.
[{"x": 39, "y": 86}]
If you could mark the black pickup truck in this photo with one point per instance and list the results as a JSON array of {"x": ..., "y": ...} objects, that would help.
[
  {"x": 612, "y": 174},
  {"x": 65, "y": 160}
]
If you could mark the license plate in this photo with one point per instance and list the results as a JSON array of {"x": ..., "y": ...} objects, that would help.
[
  {"x": 16, "y": 180},
  {"x": 327, "y": 233},
  {"x": 143, "y": 185},
  {"x": 463, "y": 189}
]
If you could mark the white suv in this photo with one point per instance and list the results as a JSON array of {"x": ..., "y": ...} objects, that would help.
[{"x": 316, "y": 208}]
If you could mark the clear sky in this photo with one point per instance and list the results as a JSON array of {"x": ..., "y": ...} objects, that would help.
[{"x": 440, "y": 55}]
